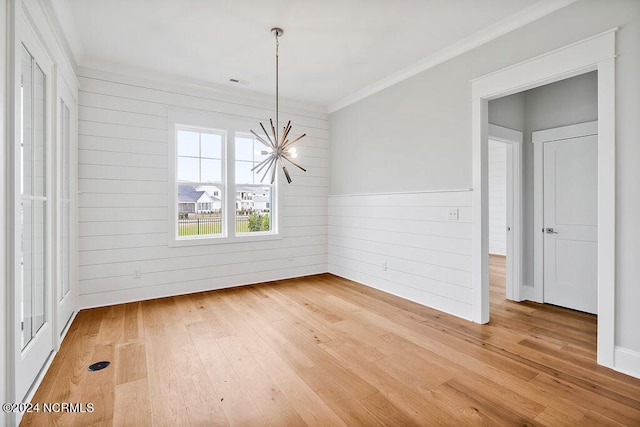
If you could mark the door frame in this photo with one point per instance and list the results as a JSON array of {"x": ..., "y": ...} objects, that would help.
[
  {"x": 513, "y": 139},
  {"x": 595, "y": 53},
  {"x": 538, "y": 139}
]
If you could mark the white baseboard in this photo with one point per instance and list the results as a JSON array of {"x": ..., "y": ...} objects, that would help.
[
  {"x": 124, "y": 296},
  {"x": 627, "y": 361}
]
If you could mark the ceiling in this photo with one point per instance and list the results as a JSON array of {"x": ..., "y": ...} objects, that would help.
[{"x": 331, "y": 51}]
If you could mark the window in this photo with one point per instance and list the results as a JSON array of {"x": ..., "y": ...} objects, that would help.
[
  {"x": 253, "y": 198},
  {"x": 200, "y": 182},
  {"x": 214, "y": 196},
  {"x": 34, "y": 198},
  {"x": 64, "y": 202}
]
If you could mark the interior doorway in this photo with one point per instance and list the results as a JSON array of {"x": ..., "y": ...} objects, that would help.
[
  {"x": 505, "y": 207},
  {"x": 516, "y": 230},
  {"x": 499, "y": 227},
  {"x": 595, "y": 53}
]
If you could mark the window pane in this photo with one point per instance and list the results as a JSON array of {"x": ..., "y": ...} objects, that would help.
[
  {"x": 33, "y": 267},
  {"x": 64, "y": 202},
  {"x": 39, "y": 256},
  {"x": 39, "y": 141},
  {"x": 259, "y": 151},
  {"x": 211, "y": 170},
  {"x": 65, "y": 251},
  {"x": 243, "y": 173},
  {"x": 244, "y": 148},
  {"x": 188, "y": 143},
  {"x": 211, "y": 146},
  {"x": 27, "y": 270},
  {"x": 253, "y": 209},
  {"x": 65, "y": 138},
  {"x": 249, "y": 153},
  {"x": 199, "y": 210},
  {"x": 26, "y": 119},
  {"x": 188, "y": 169}
]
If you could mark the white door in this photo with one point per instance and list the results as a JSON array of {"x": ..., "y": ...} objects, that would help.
[
  {"x": 571, "y": 223},
  {"x": 33, "y": 319}
]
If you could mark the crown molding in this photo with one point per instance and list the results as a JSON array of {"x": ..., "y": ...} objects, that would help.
[{"x": 502, "y": 27}]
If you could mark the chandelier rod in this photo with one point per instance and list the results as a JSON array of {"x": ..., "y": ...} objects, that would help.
[{"x": 277, "y": 32}]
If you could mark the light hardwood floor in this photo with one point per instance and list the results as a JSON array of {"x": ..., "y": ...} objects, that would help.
[{"x": 322, "y": 350}]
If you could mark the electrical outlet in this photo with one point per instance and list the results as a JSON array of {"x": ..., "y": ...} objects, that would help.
[
  {"x": 453, "y": 214},
  {"x": 384, "y": 266},
  {"x": 137, "y": 273}
]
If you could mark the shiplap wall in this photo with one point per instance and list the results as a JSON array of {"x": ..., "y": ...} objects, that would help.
[
  {"x": 497, "y": 197},
  {"x": 123, "y": 183},
  {"x": 427, "y": 256}
]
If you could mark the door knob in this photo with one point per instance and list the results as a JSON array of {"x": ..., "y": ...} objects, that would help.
[{"x": 550, "y": 231}]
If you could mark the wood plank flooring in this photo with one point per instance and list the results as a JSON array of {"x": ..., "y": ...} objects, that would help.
[{"x": 322, "y": 350}]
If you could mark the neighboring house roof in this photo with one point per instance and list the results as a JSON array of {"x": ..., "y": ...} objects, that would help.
[{"x": 188, "y": 194}]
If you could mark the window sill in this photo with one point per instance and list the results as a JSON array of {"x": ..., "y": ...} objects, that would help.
[{"x": 224, "y": 240}]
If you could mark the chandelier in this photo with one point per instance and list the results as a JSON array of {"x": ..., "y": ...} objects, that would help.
[{"x": 279, "y": 149}]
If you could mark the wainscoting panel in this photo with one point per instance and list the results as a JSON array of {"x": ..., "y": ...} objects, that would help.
[{"x": 405, "y": 244}]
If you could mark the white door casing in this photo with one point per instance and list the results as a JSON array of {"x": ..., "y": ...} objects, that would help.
[
  {"x": 593, "y": 53},
  {"x": 570, "y": 219}
]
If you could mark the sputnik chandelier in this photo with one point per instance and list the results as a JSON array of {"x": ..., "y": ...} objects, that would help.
[{"x": 279, "y": 148}]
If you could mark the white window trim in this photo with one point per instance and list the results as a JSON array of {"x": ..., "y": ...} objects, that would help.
[{"x": 232, "y": 126}]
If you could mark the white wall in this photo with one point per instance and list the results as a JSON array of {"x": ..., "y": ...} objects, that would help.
[
  {"x": 508, "y": 111},
  {"x": 123, "y": 183},
  {"x": 416, "y": 135},
  {"x": 497, "y": 197}
]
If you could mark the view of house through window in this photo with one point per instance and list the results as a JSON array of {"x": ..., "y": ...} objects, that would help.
[
  {"x": 200, "y": 179},
  {"x": 253, "y": 198}
]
